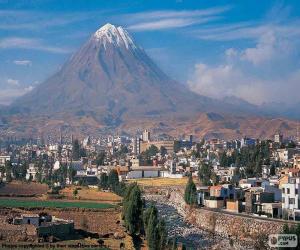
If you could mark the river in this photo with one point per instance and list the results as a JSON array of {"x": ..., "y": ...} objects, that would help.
[{"x": 191, "y": 236}]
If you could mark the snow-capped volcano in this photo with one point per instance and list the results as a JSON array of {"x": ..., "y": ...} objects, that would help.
[
  {"x": 115, "y": 35},
  {"x": 111, "y": 82},
  {"x": 112, "y": 77}
]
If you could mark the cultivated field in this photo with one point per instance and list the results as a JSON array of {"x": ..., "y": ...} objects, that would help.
[
  {"x": 162, "y": 182},
  {"x": 18, "y": 188},
  {"x": 90, "y": 194},
  {"x": 18, "y": 203}
]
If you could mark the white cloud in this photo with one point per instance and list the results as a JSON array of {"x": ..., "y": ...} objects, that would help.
[
  {"x": 265, "y": 71},
  {"x": 10, "y": 94},
  {"x": 29, "y": 43},
  {"x": 23, "y": 62},
  {"x": 158, "y": 20},
  {"x": 12, "y": 89},
  {"x": 263, "y": 51},
  {"x": 42, "y": 20},
  {"x": 13, "y": 82},
  {"x": 225, "y": 80}
]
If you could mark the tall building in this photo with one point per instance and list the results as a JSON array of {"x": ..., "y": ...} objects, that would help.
[
  {"x": 136, "y": 146},
  {"x": 278, "y": 138},
  {"x": 146, "y": 135}
]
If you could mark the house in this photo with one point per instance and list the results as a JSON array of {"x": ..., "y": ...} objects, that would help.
[
  {"x": 226, "y": 174},
  {"x": 32, "y": 219},
  {"x": 212, "y": 202},
  {"x": 223, "y": 191},
  {"x": 31, "y": 172},
  {"x": 234, "y": 206},
  {"x": 271, "y": 209},
  {"x": 4, "y": 159},
  {"x": 246, "y": 142},
  {"x": 286, "y": 154},
  {"x": 122, "y": 172},
  {"x": 252, "y": 182},
  {"x": 218, "y": 195},
  {"x": 144, "y": 172},
  {"x": 202, "y": 193},
  {"x": 46, "y": 225},
  {"x": 254, "y": 197},
  {"x": 296, "y": 161},
  {"x": 290, "y": 197}
]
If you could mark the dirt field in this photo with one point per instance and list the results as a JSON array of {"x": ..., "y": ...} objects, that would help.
[
  {"x": 18, "y": 188},
  {"x": 162, "y": 182},
  {"x": 85, "y": 193}
]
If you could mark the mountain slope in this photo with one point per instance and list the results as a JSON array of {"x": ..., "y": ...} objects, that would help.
[
  {"x": 111, "y": 83},
  {"x": 110, "y": 76}
]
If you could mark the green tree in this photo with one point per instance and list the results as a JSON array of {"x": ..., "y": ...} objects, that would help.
[
  {"x": 103, "y": 181},
  {"x": 190, "y": 194},
  {"x": 224, "y": 160},
  {"x": 100, "y": 158},
  {"x": 8, "y": 171},
  {"x": 148, "y": 154},
  {"x": 205, "y": 173},
  {"x": 155, "y": 229},
  {"x": 127, "y": 197},
  {"x": 113, "y": 179},
  {"x": 133, "y": 211},
  {"x": 176, "y": 146},
  {"x": 75, "y": 192},
  {"x": 273, "y": 169},
  {"x": 152, "y": 150}
]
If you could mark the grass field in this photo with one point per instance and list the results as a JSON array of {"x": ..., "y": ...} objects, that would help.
[
  {"x": 52, "y": 204},
  {"x": 161, "y": 182}
]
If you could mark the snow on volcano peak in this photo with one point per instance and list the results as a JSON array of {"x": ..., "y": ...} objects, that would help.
[{"x": 117, "y": 36}]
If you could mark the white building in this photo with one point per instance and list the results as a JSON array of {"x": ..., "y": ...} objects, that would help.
[
  {"x": 136, "y": 145},
  {"x": 146, "y": 135},
  {"x": 290, "y": 197},
  {"x": 143, "y": 172},
  {"x": 4, "y": 159},
  {"x": 278, "y": 138},
  {"x": 31, "y": 172},
  {"x": 285, "y": 155}
]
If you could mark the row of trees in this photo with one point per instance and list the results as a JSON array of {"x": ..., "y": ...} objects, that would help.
[
  {"x": 111, "y": 181},
  {"x": 251, "y": 158},
  {"x": 206, "y": 175},
  {"x": 18, "y": 171},
  {"x": 146, "y": 156},
  {"x": 139, "y": 221}
]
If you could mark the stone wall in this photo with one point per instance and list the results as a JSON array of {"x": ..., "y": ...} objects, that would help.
[{"x": 224, "y": 224}]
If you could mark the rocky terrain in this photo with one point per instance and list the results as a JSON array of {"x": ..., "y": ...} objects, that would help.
[{"x": 188, "y": 234}]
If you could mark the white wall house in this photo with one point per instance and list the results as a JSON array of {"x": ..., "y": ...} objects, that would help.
[
  {"x": 31, "y": 172},
  {"x": 4, "y": 159},
  {"x": 290, "y": 196}
]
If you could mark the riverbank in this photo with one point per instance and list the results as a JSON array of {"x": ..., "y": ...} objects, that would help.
[{"x": 192, "y": 236}]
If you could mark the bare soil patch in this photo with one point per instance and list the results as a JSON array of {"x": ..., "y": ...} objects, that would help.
[
  {"x": 23, "y": 189},
  {"x": 91, "y": 194}
]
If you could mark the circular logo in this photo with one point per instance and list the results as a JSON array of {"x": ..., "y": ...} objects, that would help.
[{"x": 273, "y": 240}]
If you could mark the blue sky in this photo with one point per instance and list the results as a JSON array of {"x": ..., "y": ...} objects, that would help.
[{"x": 248, "y": 49}]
